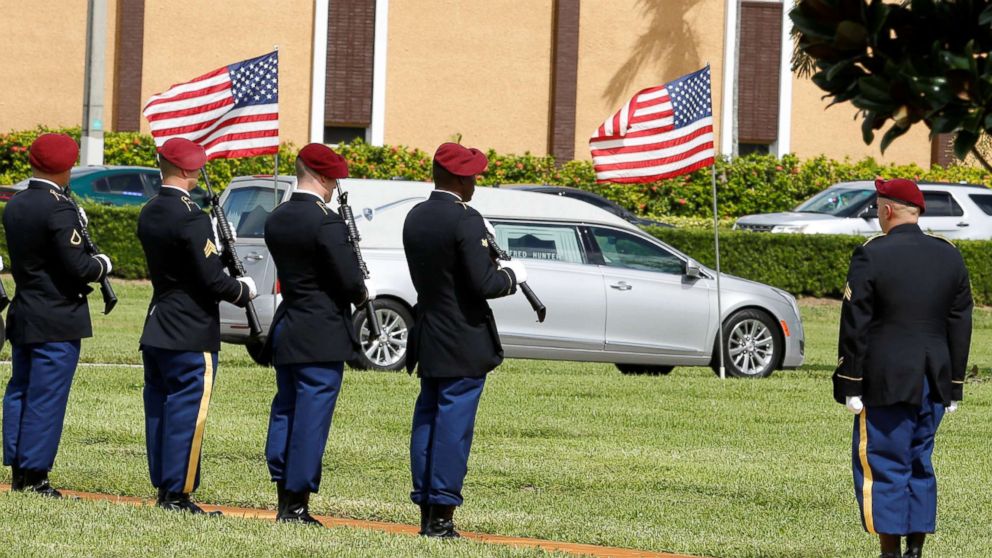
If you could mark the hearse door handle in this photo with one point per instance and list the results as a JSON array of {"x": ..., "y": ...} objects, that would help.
[
  {"x": 963, "y": 224},
  {"x": 255, "y": 256},
  {"x": 622, "y": 286}
]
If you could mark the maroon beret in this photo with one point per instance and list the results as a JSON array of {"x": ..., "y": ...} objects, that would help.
[
  {"x": 53, "y": 153},
  {"x": 184, "y": 154},
  {"x": 903, "y": 190},
  {"x": 324, "y": 161},
  {"x": 461, "y": 161}
]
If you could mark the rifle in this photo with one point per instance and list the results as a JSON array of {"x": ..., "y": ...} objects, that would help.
[
  {"x": 535, "y": 303},
  {"x": 109, "y": 297},
  {"x": 375, "y": 330},
  {"x": 229, "y": 257}
]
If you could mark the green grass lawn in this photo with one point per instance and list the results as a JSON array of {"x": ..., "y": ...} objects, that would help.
[{"x": 565, "y": 451}]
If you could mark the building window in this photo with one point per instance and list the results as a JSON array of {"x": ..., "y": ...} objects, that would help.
[
  {"x": 334, "y": 135},
  {"x": 749, "y": 148},
  {"x": 758, "y": 75}
]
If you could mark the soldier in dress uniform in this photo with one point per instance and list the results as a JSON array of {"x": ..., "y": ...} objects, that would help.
[
  {"x": 312, "y": 333},
  {"x": 49, "y": 313},
  {"x": 904, "y": 338},
  {"x": 181, "y": 336},
  {"x": 454, "y": 342}
]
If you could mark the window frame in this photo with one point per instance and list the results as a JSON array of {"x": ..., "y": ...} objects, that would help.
[
  {"x": 583, "y": 248},
  {"x": 951, "y": 197}
]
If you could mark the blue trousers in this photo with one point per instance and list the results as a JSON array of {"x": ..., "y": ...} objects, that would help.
[
  {"x": 300, "y": 421},
  {"x": 894, "y": 480},
  {"x": 177, "y": 392},
  {"x": 443, "y": 424},
  {"x": 34, "y": 403}
]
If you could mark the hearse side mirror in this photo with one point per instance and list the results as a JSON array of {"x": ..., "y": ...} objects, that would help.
[
  {"x": 692, "y": 270},
  {"x": 870, "y": 212}
]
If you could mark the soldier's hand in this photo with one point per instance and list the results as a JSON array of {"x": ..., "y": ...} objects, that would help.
[
  {"x": 953, "y": 406},
  {"x": 106, "y": 262},
  {"x": 1, "y": 264},
  {"x": 250, "y": 284},
  {"x": 855, "y": 405},
  {"x": 518, "y": 268}
]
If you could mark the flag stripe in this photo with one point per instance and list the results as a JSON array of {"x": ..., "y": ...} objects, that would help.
[
  {"x": 653, "y": 137},
  {"x": 656, "y": 177},
  {"x": 204, "y": 81},
  {"x": 664, "y": 157},
  {"x": 652, "y": 173},
  {"x": 651, "y": 146},
  {"x": 674, "y": 148},
  {"x": 193, "y": 131},
  {"x": 190, "y": 100}
]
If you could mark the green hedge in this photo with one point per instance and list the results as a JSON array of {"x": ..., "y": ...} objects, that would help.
[
  {"x": 752, "y": 184},
  {"x": 805, "y": 264}
]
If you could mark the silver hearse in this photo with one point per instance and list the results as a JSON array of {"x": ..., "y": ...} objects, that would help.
[{"x": 614, "y": 293}]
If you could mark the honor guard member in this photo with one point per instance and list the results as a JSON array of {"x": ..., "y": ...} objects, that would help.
[
  {"x": 454, "y": 342},
  {"x": 905, "y": 333},
  {"x": 49, "y": 313},
  {"x": 312, "y": 333},
  {"x": 181, "y": 336}
]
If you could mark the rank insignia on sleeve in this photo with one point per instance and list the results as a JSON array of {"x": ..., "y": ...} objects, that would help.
[
  {"x": 847, "y": 291},
  {"x": 209, "y": 249},
  {"x": 485, "y": 243},
  {"x": 76, "y": 239},
  {"x": 840, "y": 362}
]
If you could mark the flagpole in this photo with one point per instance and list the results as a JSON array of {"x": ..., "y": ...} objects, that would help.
[
  {"x": 275, "y": 171},
  {"x": 719, "y": 299}
]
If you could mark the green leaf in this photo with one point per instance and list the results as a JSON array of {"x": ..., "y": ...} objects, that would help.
[
  {"x": 875, "y": 88},
  {"x": 891, "y": 135},
  {"x": 963, "y": 143},
  {"x": 867, "y": 130},
  {"x": 985, "y": 18}
]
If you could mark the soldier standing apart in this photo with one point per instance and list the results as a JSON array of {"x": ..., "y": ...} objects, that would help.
[
  {"x": 181, "y": 336},
  {"x": 312, "y": 333},
  {"x": 49, "y": 314},
  {"x": 905, "y": 333},
  {"x": 454, "y": 342}
]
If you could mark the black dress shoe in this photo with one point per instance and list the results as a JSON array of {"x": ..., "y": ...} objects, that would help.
[
  {"x": 912, "y": 552},
  {"x": 281, "y": 496},
  {"x": 889, "y": 555},
  {"x": 37, "y": 482},
  {"x": 16, "y": 478},
  {"x": 180, "y": 502},
  {"x": 441, "y": 524},
  {"x": 161, "y": 496},
  {"x": 296, "y": 509}
]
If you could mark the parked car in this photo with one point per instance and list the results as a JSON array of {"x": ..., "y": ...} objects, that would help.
[
  {"x": 591, "y": 198},
  {"x": 614, "y": 293},
  {"x": 112, "y": 185},
  {"x": 957, "y": 211}
]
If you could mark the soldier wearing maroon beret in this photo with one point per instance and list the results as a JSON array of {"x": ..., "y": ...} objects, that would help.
[
  {"x": 454, "y": 342},
  {"x": 311, "y": 334},
  {"x": 905, "y": 333},
  {"x": 49, "y": 314},
  {"x": 181, "y": 337}
]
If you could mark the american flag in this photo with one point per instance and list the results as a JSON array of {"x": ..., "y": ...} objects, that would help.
[
  {"x": 232, "y": 111},
  {"x": 661, "y": 132}
]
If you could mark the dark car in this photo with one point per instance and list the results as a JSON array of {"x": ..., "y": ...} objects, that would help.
[
  {"x": 590, "y": 198},
  {"x": 112, "y": 185}
]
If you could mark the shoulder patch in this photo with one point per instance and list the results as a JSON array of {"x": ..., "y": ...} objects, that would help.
[
  {"x": 76, "y": 239},
  {"x": 939, "y": 237},
  {"x": 209, "y": 249},
  {"x": 876, "y": 237}
]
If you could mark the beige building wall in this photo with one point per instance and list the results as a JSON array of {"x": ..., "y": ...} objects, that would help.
[
  {"x": 188, "y": 38},
  {"x": 835, "y": 133},
  {"x": 479, "y": 68},
  {"x": 44, "y": 57},
  {"x": 629, "y": 45}
]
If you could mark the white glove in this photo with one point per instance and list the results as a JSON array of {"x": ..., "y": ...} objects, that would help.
[
  {"x": 106, "y": 262},
  {"x": 855, "y": 405},
  {"x": 953, "y": 406},
  {"x": 1, "y": 264},
  {"x": 250, "y": 283},
  {"x": 518, "y": 268},
  {"x": 489, "y": 227},
  {"x": 82, "y": 216},
  {"x": 370, "y": 291}
]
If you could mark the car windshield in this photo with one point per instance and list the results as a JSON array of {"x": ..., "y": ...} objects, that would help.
[{"x": 838, "y": 201}]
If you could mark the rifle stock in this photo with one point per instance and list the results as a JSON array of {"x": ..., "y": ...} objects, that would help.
[{"x": 229, "y": 256}]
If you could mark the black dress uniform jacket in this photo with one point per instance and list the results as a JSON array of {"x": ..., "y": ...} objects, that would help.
[
  {"x": 319, "y": 278},
  {"x": 187, "y": 275},
  {"x": 454, "y": 334},
  {"x": 50, "y": 266},
  {"x": 906, "y": 315}
]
